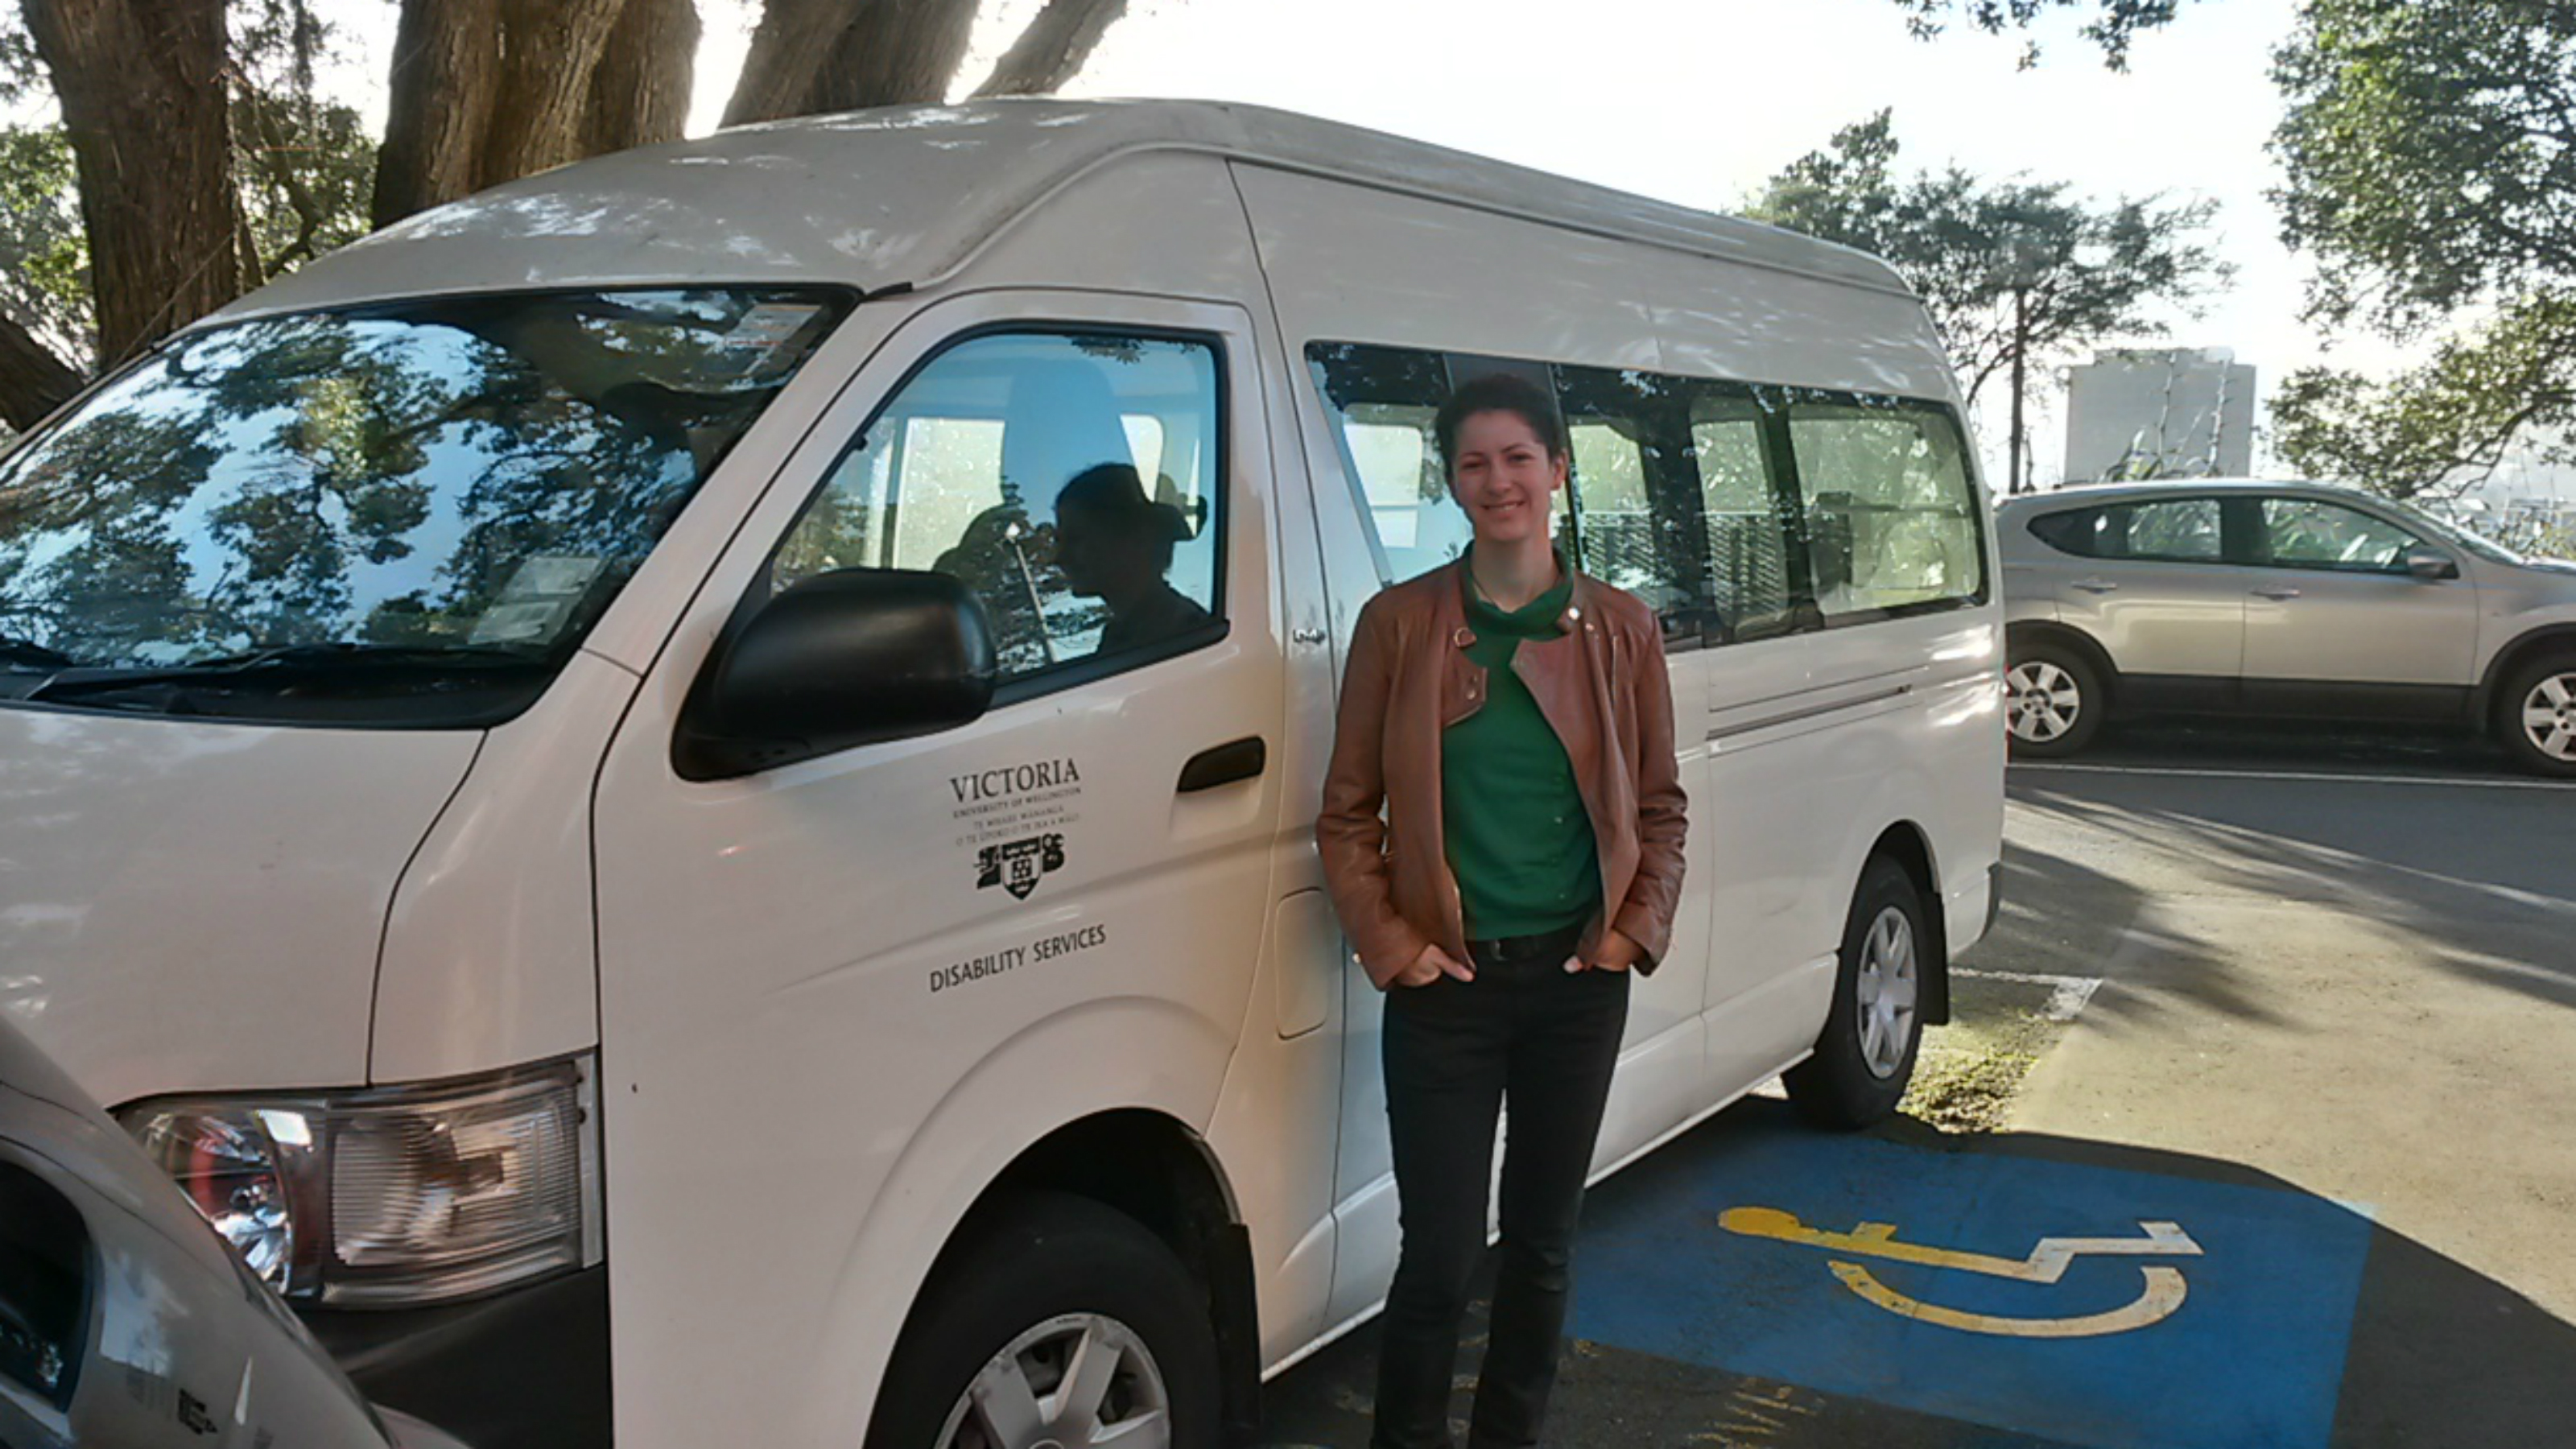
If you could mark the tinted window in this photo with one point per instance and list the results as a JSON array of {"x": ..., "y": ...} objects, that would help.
[
  {"x": 1382, "y": 401},
  {"x": 1892, "y": 515},
  {"x": 1073, "y": 480},
  {"x": 2311, "y": 534},
  {"x": 1635, "y": 509},
  {"x": 1680, "y": 489},
  {"x": 44, "y": 1286},
  {"x": 2184, "y": 530},
  {"x": 1742, "y": 513}
]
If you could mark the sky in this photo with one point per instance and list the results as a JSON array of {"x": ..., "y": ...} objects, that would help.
[{"x": 1698, "y": 101}]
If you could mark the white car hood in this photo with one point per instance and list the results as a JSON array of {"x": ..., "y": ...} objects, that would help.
[{"x": 188, "y": 906}]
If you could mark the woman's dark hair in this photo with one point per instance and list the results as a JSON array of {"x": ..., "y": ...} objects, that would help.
[{"x": 1498, "y": 392}]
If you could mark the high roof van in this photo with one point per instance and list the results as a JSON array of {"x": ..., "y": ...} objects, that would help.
[{"x": 681, "y": 795}]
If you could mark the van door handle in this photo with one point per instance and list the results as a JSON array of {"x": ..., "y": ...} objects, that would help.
[
  {"x": 1242, "y": 759},
  {"x": 2095, "y": 586},
  {"x": 2276, "y": 591}
]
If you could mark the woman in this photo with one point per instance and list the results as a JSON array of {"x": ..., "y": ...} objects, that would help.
[{"x": 1512, "y": 720}]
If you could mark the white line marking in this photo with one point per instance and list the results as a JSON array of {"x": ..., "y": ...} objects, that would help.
[
  {"x": 2461, "y": 781},
  {"x": 2065, "y": 1003}
]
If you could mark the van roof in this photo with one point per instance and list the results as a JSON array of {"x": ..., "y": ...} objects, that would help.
[{"x": 907, "y": 196}]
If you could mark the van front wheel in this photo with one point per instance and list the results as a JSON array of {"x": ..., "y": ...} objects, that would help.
[
  {"x": 1865, "y": 1055},
  {"x": 1063, "y": 1322}
]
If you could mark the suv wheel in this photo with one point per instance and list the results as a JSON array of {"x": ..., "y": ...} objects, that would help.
[
  {"x": 2537, "y": 720},
  {"x": 2053, "y": 700}
]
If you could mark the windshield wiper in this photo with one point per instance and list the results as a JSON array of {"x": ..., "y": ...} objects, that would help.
[
  {"x": 27, "y": 654},
  {"x": 295, "y": 664}
]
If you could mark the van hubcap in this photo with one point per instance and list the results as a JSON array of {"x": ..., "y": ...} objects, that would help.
[
  {"x": 2549, "y": 717},
  {"x": 1889, "y": 991},
  {"x": 2044, "y": 701},
  {"x": 1074, "y": 1381}
]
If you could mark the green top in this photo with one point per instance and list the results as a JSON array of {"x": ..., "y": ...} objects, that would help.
[{"x": 1514, "y": 826}]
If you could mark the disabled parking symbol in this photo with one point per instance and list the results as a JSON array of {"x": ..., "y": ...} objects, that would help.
[
  {"x": 2070, "y": 1301},
  {"x": 2161, "y": 1298}
]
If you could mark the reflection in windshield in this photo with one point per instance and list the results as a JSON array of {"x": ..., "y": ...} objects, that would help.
[{"x": 461, "y": 476}]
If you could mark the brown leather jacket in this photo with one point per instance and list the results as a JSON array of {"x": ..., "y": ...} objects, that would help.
[{"x": 1601, "y": 685}]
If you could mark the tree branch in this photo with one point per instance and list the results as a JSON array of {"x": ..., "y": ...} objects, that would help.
[
  {"x": 33, "y": 381},
  {"x": 1053, "y": 48}
]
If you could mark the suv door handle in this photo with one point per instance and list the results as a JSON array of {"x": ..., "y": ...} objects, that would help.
[
  {"x": 1242, "y": 759},
  {"x": 2095, "y": 586},
  {"x": 2276, "y": 591}
]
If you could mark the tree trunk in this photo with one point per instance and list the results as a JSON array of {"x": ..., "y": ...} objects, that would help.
[
  {"x": 142, "y": 89},
  {"x": 639, "y": 95},
  {"x": 549, "y": 51},
  {"x": 897, "y": 52},
  {"x": 446, "y": 74},
  {"x": 33, "y": 381},
  {"x": 1052, "y": 50},
  {"x": 2013, "y": 480},
  {"x": 789, "y": 50}
]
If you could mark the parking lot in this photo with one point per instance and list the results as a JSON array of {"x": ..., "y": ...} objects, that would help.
[{"x": 2250, "y": 1142}]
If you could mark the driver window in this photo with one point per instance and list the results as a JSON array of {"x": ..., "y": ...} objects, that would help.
[
  {"x": 2306, "y": 533},
  {"x": 1071, "y": 480}
]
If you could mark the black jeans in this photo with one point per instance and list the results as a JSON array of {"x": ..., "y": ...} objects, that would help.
[{"x": 1527, "y": 1031}]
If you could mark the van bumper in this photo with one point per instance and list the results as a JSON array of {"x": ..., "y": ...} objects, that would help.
[{"x": 525, "y": 1369}]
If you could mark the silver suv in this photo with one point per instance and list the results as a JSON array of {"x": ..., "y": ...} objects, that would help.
[{"x": 2226, "y": 596}]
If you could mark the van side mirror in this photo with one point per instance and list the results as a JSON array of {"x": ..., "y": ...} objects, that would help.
[
  {"x": 846, "y": 658},
  {"x": 2427, "y": 562}
]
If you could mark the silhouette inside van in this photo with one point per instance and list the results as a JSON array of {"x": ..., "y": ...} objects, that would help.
[{"x": 1115, "y": 544}]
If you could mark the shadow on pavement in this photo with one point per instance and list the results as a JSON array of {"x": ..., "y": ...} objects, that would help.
[{"x": 2290, "y": 1322}]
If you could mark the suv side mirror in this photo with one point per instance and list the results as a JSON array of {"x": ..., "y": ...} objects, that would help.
[
  {"x": 846, "y": 658},
  {"x": 2424, "y": 561}
]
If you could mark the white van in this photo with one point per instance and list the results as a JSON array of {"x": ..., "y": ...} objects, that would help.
[{"x": 681, "y": 794}]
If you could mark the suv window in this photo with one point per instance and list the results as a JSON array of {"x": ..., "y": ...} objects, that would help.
[
  {"x": 2181, "y": 530},
  {"x": 2309, "y": 533},
  {"x": 1072, "y": 479}
]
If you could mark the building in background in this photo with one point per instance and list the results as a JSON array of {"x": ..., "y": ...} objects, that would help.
[{"x": 2160, "y": 413}]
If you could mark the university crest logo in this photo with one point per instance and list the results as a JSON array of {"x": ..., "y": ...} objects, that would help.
[{"x": 1016, "y": 866}]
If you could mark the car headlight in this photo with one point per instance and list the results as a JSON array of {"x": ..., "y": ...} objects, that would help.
[{"x": 389, "y": 1197}]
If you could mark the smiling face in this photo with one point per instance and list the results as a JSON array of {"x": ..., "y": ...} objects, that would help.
[{"x": 1502, "y": 474}]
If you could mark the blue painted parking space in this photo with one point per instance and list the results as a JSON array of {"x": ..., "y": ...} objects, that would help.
[{"x": 2088, "y": 1306}]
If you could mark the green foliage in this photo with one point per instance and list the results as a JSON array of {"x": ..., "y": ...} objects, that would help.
[
  {"x": 44, "y": 252},
  {"x": 307, "y": 173},
  {"x": 2114, "y": 25},
  {"x": 2014, "y": 270},
  {"x": 2428, "y": 154},
  {"x": 2447, "y": 424}
]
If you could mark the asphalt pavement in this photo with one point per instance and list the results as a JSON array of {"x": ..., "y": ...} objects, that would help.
[{"x": 2275, "y": 1149}]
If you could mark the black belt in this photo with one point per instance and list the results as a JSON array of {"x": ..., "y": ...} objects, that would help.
[{"x": 1551, "y": 946}]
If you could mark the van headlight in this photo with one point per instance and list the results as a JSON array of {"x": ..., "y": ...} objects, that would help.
[{"x": 391, "y": 1197}]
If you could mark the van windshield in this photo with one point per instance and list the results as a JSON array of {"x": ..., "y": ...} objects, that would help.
[{"x": 406, "y": 515}]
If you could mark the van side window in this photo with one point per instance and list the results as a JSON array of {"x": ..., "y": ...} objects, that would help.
[
  {"x": 1381, "y": 402},
  {"x": 1892, "y": 517},
  {"x": 1635, "y": 513},
  {"x": 1744, "y": 513},
  {"x": 1072, "y": 479}
]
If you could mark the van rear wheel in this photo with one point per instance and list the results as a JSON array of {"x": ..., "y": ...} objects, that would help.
[
  {"x": 1864, "y": 1058},
  {"x": 1063, "y": 1322}
]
